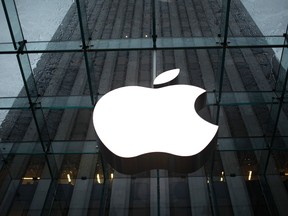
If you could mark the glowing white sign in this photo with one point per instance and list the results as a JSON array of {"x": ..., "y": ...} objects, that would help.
[{"x": 135, "y": 121}]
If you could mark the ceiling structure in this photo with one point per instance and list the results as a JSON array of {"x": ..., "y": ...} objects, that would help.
[{"x": 50, "y": 160}]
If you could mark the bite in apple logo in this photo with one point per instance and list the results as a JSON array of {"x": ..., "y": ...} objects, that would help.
[{"x": 154, "y": 128}]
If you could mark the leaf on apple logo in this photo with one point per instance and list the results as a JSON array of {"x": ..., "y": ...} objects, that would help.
[{"x": 166, "y": 78}]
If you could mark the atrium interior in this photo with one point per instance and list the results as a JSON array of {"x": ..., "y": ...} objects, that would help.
[{"x": 50, "y": 159}]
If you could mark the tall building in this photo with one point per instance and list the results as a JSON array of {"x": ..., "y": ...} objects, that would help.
[{"x": 50, "y": 160}]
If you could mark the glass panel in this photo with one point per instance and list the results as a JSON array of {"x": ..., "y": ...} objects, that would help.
[
  {"x": 277, "y": 178},
  {"x": 81, "y": 9},
  {"x": 125, "y": 19},
  {"x": 140, "y": 196},
  {"x": 143, "y": 43},
  {"x": 240, "y": 22},
  {"x": 187, "y": 18},
  {"x": 265, "y": 41},
  {"x": 118, "y": 69},
  {"x": 27, "y": 76},
  {"x": 258, "y": 18},
  {"x": 70, "y": 124},
  {"x": 179, "y": 196},
  {"x": 282, "y": 126},
  {"x": 42, "y": 129},
  {"x": 188, "y": 43},
  {"x": 244, "y": 143},
  {"x": 84, "y": 101},
  {"x": 92, "y": 78},
  {"x": 66, "y": 102},
  {"x": 224, "y": 206},
  {"x": 197, "y": 67},
  {"x": 6, "y": 48},
  {"x": 10, "y": 78},
  {"x": 240, "y": 170},
  {"x": 249, "y": 69},
  {"x": 224, "y": 20},
  {"x": 27, "y": 168},
  {"x": 10, "y": 84},
  {"x": 19, "y": 148},
  {"x": 270, "y": 19},
  {"x": 198, "y": 190},
  {"x": 13, "y": 22},
  {"x": 44, "y": 22},
  {"x": 118, "y": 44},
  {"x": 280, "y": 142},
  {"x": 282, "y": 73},
  {"x": 96, "y": 205},
  {"x": 247, "y": 98},
  {"x": 16, "y": 125},
  {"x": 54, "y": 46},
  {"x": 239, "y": 163},
  {"x": 244, "y": 121},
  {"x": 27, "y": 175},
  {"x": 257, "y": 197},
  {"x": 246, "y": 174},
  {"x": 278, "y": 163},
  {"x": 5, "y": 34},
  {"x": 61, "y": 74}
]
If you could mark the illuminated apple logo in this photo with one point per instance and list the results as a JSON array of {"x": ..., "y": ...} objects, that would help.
[{"x": 153, "y": 128}]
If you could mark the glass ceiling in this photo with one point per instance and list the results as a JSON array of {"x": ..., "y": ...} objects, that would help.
[{"x": 58, "y": 58}]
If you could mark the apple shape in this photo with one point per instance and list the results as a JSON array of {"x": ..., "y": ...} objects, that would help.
[{"x": 154, "y": 128}]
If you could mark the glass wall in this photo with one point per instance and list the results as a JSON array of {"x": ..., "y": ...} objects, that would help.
[{"x": 58, "y": 58}]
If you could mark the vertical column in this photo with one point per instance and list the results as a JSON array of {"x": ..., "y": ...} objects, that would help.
[
  {"x": 223, "y": 35},
  {"x": 13, "y": 22},
  {"x": 154, "y": 34},
  {"x": 159, "y": 193},
  {"x": 26, "y": 72},
  {"x": 223, "y": 41},
  {"x": 120, "y": 194},
  {"x": 84, "y": 183},
  {"x": 154, "y": 38},
  {"x": 276, "y": 186},
  {"x": 88, "y": 56},
  {"x": 238, "y": 193},
  {"x": 32, "y": 96},
  {"x": 280, "y": 91},
  {"x": 31, "y": 91},
  {"x": 199, "y": 194}
]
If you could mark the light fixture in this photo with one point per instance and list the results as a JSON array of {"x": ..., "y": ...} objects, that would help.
[
  {"x": 222, "y": 176},
  {"x": 69, "y": 178},
  {"x": 31, "y": 178},
  {"x": 98, "y": 178},
  {"x": 27, "y": 178},
  {"x": 250, "y": 175}
]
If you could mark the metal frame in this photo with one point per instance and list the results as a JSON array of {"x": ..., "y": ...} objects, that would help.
[{"x": 37, "y": 104}]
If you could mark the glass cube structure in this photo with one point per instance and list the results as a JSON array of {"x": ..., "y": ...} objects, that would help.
[{"x": 59, "y": 57}]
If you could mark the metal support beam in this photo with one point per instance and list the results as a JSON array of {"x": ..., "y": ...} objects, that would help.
[{"x": 85, "y": 37}]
